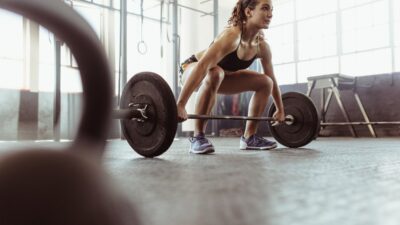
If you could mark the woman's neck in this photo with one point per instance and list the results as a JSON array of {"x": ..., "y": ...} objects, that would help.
[{"x": 249, "y": 33}]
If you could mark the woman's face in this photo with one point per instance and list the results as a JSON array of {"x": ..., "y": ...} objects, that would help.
[{"x": 261, "y": 15}]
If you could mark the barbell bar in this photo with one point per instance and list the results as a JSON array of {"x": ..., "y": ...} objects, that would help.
[
  {"x": 138, "y": 114},
  {"x": 288, "y": 118},
  {"x": 141, "y": 114},
  {"x": 360, "y": 123}
]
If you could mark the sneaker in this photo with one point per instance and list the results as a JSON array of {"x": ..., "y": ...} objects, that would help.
[
  {"x": 200, "y": 145},
  {"x": 256, "y": 143}
]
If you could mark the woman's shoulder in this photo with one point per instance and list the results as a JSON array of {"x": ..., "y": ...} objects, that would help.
[
  {"x": 263, "y": 40},
  {"x": 229, "y": 33}
]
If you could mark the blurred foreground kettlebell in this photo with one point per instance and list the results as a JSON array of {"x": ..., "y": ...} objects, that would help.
[{"x": 66, "y": 186}]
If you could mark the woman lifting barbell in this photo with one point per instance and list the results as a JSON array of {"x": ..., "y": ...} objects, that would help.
[{"x": 222, "y": 68}]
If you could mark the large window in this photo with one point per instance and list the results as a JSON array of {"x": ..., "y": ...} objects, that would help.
[
  {"x": 281, "y": 42},
  {"x": 365, "y": 27},
  {"x": 311, "y": 8},
  {"x": 316, "y": 37},
  {"x": 46, "y": 60},
  {"x": 11, "y": 50},
  {"x": 396, "y": 30},
  {"x": 105, "y": 21}
]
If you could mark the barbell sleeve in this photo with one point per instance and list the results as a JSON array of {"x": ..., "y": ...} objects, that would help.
[{"x": 125, "y": 114}]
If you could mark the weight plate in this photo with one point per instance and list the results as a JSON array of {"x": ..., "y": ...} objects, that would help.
[
  {"x": 155, "y": 135},
  {"x": 306, "y": 121}
]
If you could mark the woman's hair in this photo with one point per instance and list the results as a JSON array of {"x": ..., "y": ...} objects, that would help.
[{"x": 238, "y": 17}]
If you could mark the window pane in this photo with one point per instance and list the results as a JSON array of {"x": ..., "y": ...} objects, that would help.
[
  {"x": 151, "y": 59},
  {"x": 116, "y": 4},
  {"x": 397, "y": 59},
  {"x": 102, "y": 2},
  {"x": 92, "y": 15},
  {"x": 283, "y": 13},
  {"x": 281, "y": 42},
  {"x": 317, "y": 67},
  {"x": 367, "y": 63},
  {"x": 11, "y": 39},
  {"x": 11, "y": 50},
  {"x": 317, "y": 37},
  {"x": 285, "y": 74},
  {"x": 47, "y": 77},
  {"x": 364, "y": 39},
  {"x": 70, "y": 80},
  {"x": 46, "y": 46},
  {"x": 11, "y": 73},
  {"x": 151, "y": 8},
  {"x": 309, "y": 8},
  {"x": 365, "y": 27},
  {"x": 396, "y": 14},
  {"x": 46, "y": 60},
  {"x": 351, "y": 3}
]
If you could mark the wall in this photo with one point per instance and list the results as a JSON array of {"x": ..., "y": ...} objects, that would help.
[{"x": 28, "y": 115}]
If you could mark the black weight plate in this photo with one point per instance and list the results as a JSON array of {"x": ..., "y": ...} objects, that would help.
[
  {"x": 306, "y": 121},
  {"x": 154, "y": 136}
]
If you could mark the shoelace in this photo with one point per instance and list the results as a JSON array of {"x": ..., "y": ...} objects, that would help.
[
  {"x": 201, "y": 139},
  {"x": 257, "y": 140}
]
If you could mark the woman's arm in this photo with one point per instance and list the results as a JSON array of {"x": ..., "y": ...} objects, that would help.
[{"x": 266, "y": 61}]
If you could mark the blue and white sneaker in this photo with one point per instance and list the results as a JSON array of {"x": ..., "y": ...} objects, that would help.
[
  {"x": 256, "y": 143},
  {"x": 200, "y": 145}
]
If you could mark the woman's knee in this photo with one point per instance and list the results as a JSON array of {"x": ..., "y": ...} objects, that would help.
[
  {"x": 214, "y": 77},
  {"x": 266, "y": 84}
]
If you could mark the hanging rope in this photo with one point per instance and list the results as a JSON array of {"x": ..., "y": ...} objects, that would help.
[{"x": 141, "y": 46}]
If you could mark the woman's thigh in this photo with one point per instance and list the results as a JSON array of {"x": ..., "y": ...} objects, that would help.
[
  {"x": 243, "y": 80},
  {"x": 187, "y": 72}
]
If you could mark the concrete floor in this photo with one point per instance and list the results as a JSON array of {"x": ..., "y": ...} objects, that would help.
[{"x": 332, "y": 181}]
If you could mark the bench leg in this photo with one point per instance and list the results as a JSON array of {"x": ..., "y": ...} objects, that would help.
[
  {"x": 364, "y": 113},
  {"x": 341, "y": 106}
]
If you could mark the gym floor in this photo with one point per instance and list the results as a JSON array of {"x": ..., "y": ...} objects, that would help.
[{"x": 332, "y": 181}]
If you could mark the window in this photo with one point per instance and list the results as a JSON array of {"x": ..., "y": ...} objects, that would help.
[
  {"x": 365, "y": 27},
  {"x": 283, "y": 13},
  {"x": 281, "y": 42},
  {"x": 149, "y": 60},
  {"x": 46, "y": 60},
  {"x": 335, "y": 36},
  {"x": 151, "y": 8},
  {"x": 102, "y": 2},
  {"x": 367, "y": 63},
  {"x": 396, "y": 14},
  {"x": 317, "y": 37},
  {"x": 92, "y": 15},
  {"x": 285, "y": 74},
  {"x": 11, "y": 50},
  {"x": 317, "y": 67},
  {"x": 397, "y": 59},
  {"x": 311, "y": 8},
  {"x": 351, "y": 3}
]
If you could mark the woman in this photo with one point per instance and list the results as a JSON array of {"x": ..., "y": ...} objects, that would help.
[{"x": 222, "y": 68}]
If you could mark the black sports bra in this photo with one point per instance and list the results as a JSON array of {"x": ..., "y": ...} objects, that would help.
[{"x": 231, "y": 62}]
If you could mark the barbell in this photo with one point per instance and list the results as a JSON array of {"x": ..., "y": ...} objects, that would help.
[{"x": 149, "y": 118}]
